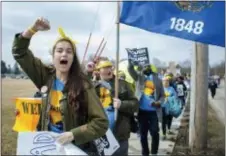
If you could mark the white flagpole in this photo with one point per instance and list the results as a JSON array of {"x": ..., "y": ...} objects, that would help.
[{"x": 117, "y": 54}]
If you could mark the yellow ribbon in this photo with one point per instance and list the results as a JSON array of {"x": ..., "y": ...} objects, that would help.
[{"x": 63, "y": 36}]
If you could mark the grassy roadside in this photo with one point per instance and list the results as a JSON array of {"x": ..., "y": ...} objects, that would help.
[
  {"x": 12, "y": 88},
  {"x": 216, "y": 136}
]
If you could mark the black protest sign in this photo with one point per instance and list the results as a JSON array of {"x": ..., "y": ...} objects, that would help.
[
  {"x": 131, "y": 56},
  {"x": 138, "y": 56},
  {"x": 101, "y": 144}
]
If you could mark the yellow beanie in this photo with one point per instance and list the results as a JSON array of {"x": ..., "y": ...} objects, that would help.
[{"x": 103, "y": 64}]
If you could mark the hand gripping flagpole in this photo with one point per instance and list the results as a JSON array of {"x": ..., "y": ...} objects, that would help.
[{"x": 117, "y": 55}]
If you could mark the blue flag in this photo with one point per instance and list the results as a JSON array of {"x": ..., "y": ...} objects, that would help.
[{"x": 200, "y": 21}]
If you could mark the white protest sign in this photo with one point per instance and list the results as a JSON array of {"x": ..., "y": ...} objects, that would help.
[
  {"x": 43, "y": 143},
  {"x": 107, "y": 145},
  {"x": 180, "y": 90}
]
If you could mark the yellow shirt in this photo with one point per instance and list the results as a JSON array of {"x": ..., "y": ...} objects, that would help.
[
  {"x": 149, "y": 88},
  {"x": 105, "y": 97}
]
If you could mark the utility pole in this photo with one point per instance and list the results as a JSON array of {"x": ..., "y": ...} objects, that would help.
[
  {"x": 225, "y": 78},
  {"x": 192, "y": 98},
  {"x": 199, "y": 104}
]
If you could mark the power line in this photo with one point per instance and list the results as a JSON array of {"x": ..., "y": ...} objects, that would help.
[
  {"x": 114, "y": 18},
  {"x": 95, "y": 17},
  {"x": 110, "y": 30},
  {"x": 93, "y": 26},
  {"x": 108, "y": 35}
]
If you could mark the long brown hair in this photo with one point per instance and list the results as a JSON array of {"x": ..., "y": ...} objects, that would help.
[{"x": 75, "y": 85}]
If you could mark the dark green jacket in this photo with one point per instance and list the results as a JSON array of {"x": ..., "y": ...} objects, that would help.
[
  {"x": 40, "y": 74},
  {"x": 127, "y": 109}
]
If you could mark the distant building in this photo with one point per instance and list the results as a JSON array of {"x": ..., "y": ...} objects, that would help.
[
  {"x": 178, "y": 69},
  {"x": 172, "y": 68}
]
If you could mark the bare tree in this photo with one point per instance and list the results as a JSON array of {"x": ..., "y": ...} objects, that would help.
[
  {"x": 218, "y": 69},
  {"x": 16, "y": 69},
  {"x": 3, "y": 67},
  {"x": 156, "y": 62}
]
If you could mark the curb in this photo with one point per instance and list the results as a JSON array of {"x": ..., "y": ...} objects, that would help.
[{"x": 185, "y": 115}]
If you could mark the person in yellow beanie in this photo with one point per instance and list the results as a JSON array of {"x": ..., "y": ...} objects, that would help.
[
  {"x": 172, "y": 80},
  {"x": 72, "y": 107},
  {"x": 126, "y": 104}
]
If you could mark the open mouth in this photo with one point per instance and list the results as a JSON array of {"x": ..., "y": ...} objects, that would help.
[{"x": 63, "y": 62}]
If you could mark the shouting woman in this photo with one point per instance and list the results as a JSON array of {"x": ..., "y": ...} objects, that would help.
[{"x": 72, "y": 107}]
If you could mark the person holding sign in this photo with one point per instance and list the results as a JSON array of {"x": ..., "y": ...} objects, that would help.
[
  {"x": 150, "y": 93},
  {"x": 126, "y": 104},
  {"x": 70, "y": 105}
]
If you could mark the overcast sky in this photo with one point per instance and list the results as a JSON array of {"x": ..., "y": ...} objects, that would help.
[{"x": 77, "y": 19}]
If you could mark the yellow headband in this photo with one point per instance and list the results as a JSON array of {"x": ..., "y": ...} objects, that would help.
[{"x": 63, "y": 36}]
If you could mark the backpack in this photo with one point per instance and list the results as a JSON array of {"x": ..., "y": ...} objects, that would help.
[{"x": 174, "y": 107}]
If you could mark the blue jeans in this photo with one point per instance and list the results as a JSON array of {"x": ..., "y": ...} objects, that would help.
[
  {"x": 111, "y": 117},
  {"x": 148, "y": 121}
]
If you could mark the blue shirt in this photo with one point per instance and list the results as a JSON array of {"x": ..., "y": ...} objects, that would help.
[{"x": 55, "y": 123}]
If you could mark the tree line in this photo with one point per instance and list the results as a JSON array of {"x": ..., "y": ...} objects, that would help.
[
  {"x": 217, "y": 69},
  {"x": 7, "y": 69}
]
